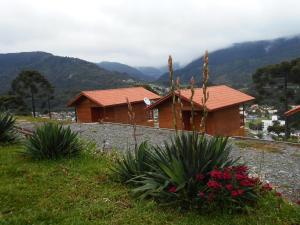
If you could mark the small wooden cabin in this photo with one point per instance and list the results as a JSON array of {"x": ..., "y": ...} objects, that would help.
[
  {"x": 224, "y": 116},
  {"x": 111, "y": 106}
]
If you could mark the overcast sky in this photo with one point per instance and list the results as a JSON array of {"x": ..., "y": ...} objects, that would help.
[{"x": 140, "y": 32}]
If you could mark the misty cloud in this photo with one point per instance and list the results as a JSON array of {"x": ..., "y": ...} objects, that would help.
[{"x": 140, "y": 32}]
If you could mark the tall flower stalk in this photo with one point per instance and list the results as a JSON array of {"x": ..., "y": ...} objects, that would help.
[
  {"x": 192, "y": 104},
  {"x": 131, "y": 115},
  {"x": 205, "y": 76},
  {"x": 179, "y": 101},
  {"x": 172, "y": 89}
]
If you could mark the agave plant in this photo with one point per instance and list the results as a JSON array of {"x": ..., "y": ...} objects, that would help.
[
  {"x": 53, "y": 141},
  {"x": 178, "y": 163},
  {"x": 133, "y": 163},
  {"x": 7, "y": 131}
]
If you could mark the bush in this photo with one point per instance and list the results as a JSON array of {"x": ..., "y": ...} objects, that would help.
[
  {"x": 7, "y": 131},
  {"x": 53, "y": 141},
  {"x": 133, "y": 164},
  {"x": 192, "y": 171}
]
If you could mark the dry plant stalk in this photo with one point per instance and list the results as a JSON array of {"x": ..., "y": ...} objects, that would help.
[
  {"x": 172, "y": 86},
  {"x": 179, "y": 101},
  {"x": 131, "y": 115},
  {"x": 205, "y": 93},
  {"x": 192, "y": 103}
]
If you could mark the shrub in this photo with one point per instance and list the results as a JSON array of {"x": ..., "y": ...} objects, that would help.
[
  {"x": 176, "y": 167},
  {"x": 133, "y": 164},
  {"x": 53, "y": 141},
  {"x": 7, "y": 131}
]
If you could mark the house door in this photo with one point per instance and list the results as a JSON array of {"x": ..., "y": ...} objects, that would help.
[
  {"x": 186, "y": 115},
  {"x": 97, "y": 114}
]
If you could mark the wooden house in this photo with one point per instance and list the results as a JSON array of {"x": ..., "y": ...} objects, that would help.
[
  {"x": 224, "y": 116},
  {"x": 111, "y": 106}
]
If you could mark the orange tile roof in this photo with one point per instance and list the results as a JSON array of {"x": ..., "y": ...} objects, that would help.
[
  {"x": 292, "y": 111},
  {"x": 116, "y": 96},
  {"x": 219, "y": 97}
]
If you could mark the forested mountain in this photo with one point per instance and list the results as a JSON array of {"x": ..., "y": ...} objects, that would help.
[
  {"x": 67, "y": 75},
  {"x": 235, "y": 65},
  {"x": 123, "y": 68},
  {"x": 156, "y": 72}
]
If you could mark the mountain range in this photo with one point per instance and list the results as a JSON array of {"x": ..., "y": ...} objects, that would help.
[
  {"x": 68, "y": 75},
  {"x": 234, "y": 65}
]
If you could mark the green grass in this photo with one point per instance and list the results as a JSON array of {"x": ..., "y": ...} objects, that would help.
[
  {"x": 40, "y": 120},
  {"x": 259, "y": 146},
  {"x": 80, "y": 191}
]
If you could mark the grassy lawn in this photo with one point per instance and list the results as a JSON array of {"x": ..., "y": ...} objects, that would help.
[
  {"x": 79, "y": 191},
  {"x": 40, "y": 120}
]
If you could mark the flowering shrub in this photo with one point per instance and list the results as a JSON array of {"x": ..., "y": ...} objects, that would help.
[
  {"x": 230, "y": 186},
  {"x": 192, "y": 171}
]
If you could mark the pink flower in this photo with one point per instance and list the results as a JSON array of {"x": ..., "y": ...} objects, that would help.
[
  {"x": 267, "y": 187},
  {"x": 278, "y": 194},
  {"x": 246, "y": 183},
  {"x": 229, "y": 187},
  {"x": 241, "y": 176},
  {"x": 216, "y": 174},
  {"x": 237, "y": 193},
  {"x": 200, "y": 177},
  {"x": 201, "y": 194},
  {"x": 214, "y": 184},
  {"x": 172, "y": 189},
  {"x": 241, "y": 169},
  {"x": 226, "y": 176}
]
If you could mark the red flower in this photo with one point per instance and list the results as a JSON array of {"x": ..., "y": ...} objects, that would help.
[
  {"x": 278, "y": 194},
  {"x": 214, "y": 184},
  {"x": 229, "y": 187},
  {"x": 172, "y": 189},
  {"x": 201, "y": 194},
  {"x": 241, "y": 169},
  {"x": 200, "y": 177},
  {"x": 298, "y": 202},
  {"x": 237, "y": 193},
  {"x": 216, "y": 174},
  {"x": 267, "y": 187},
  {"x": 241, "y": 176},
  {"x": 246, "y": 183},
  {"x": 226, "y": 176}
]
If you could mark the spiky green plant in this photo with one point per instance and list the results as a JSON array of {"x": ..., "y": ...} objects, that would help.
[
  {"x": 53, "y": 141},
  {"x": 7, "y": 131},
  {"x": 178, "y": 163},
  {"x": 133, "y": 163}
]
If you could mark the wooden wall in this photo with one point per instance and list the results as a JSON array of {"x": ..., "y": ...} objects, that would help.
[
  {"x": 87, "y": 112},
  {"x": 225, "y": 122}
]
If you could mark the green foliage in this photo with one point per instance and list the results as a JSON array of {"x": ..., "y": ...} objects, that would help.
[
  {"x": 32, "y": 84},
  {"x": 276, "y": 128},
  {"x": 133, "y": 163},
  {"x": 79, "y": 191},
  {"x": 178, "y": 163},
  {"x": 7, "y": 130},
  {"x": 170, "y": 174},
  {"x": 53, "y": 141},
  {"x": 256, "y": 125}
]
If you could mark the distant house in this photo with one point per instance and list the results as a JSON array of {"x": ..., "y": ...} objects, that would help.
[
  {"x": 223, "y": 110},
  {"x": 111, "y": 106}
]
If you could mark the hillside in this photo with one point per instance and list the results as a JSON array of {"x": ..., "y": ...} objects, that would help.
[
  {"x": 68, "y": 75},
  {"x": 235, "y": 65},
  {"x": 123, "y": 68}
]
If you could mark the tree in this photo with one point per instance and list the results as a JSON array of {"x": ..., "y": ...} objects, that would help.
[
  {"x": 13, "y": 103},
  {"x": 31, "y": 84},
  {"x": 273, "y": 84},
  {"x": 276, "y": 128}
]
